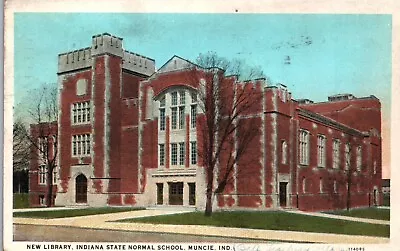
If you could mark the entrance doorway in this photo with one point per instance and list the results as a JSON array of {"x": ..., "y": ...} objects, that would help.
[
  {"x": 283, "y": 194},
  {"x": 176, "y": 193},
  {"x": 81, "y": 189},
  {"x": 160, "y": 189},
  {"x": 192, "y": 194}
]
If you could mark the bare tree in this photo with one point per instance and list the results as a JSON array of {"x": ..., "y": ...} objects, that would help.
[
  {"x": 225, "y": 101},
  {"x": 41, "y": 109},
  {"x": 20, "y": 156}
]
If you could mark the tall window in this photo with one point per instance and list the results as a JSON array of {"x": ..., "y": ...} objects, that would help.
[
  {"x": 162, "y": 119},
  {"x": 359, "y": 158},
  {"x": 81, "y": 145},
  {"x": 335, "y": 186},
  {"x": 178, "y": 111},
  {"x": 336, "y": 153},
  {"x": 182, "y": 97},
  {"x": 304, "y": 184},
  {"x": 81, "y": 113},
  {"x": 162, "y": 113},
  {"x": 181, "y": 153},
  {"x": 321, "y": 185},
  {"x": 303, "y": 147},
  {"x": 161, "y": 155},
  {"x": 181, "y": 117},
  {"x": 347, "y": 157},
  {"x": 174, "y": 154},
  {"x": 321, "y": 151},
  {"x": 174, "y": 98},
  {"x": 42, "y": 174},
  {"x": 193, "y": 114},
  {"x": 374, "y": 166},
  {"x": 193, "y": 153},
  {"x": 173, "y": 118},
  {"x": 284, "y": 152}
]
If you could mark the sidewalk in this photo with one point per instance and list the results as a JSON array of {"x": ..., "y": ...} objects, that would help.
[
  {"x": 341, "y": 217},
  {"x": 104, "y": 222},
  {"x": 31, "y": 209}
]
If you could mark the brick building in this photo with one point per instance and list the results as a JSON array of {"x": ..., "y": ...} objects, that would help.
[{"x": 129, "y": 135}]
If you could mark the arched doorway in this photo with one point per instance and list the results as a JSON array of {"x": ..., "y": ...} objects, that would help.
[{"x": 81, "y": 189}]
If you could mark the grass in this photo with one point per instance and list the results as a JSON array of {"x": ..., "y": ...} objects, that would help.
[
  {"x": 370, "y": 213},
  {"x": 63, "y": 213},
  {"x": 20, "y": 200},
  {"x": 271, "y": 220}
]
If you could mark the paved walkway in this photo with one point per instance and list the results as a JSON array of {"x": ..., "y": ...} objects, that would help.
[
  {"x": 47, "y": 209},
  {"x": 104, "y": 222},
  {"x": 341, "y": 217}
]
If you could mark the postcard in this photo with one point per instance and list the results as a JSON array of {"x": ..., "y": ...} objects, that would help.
[{"x": 178, "y": 125}]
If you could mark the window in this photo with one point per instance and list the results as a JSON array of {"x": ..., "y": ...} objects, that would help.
[
  {"x": 359, "y": 158},
  {"x": 321, "y": 151},
  {"x": 42, "y": 174},
  {"x": 284, "y": 152},
  {"x": 178, "y": 112},
  {"x": 173, "y": 118},
  {"x": 181, "y": 117},
  {"x": 336, "y": 153},
  {"x": 162, "y": 101},
  {"x": 81, "y": 145},
  {"x": 374, "y": 166},
  {"x": 161, "y": 155},
  {"x": 174, "y": 98},
  {"x": 182, "y": 97},
  {"x": 162, "y": 119},
  {"x": 181, "y": 153},
  {"x": 321, "y": 185},
  {"x": 42, "y": 144},
  {"x": 193, "y": 152},
  {"x": 303, "y": 147},
  {"x": 193, "y": 114},
  {"x": 347, "y": 153},
  {"x": 193, "y": 96},
  {"x": 55, "y": 175},
  {"x": 174, "y": 154},
  {"x": 42, "y": 200},
  {"x": 335, "y": 186},
  {"x": 178, "y": 155},
  {"x": 304, "y": 184},
  {"x": 81, "y": 113}
]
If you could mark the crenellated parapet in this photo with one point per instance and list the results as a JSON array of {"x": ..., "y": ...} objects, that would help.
[
  {"x": 138, "y": 63},
  {"x": 105, "y": 44},
  {"x": 74, "y": 60}
]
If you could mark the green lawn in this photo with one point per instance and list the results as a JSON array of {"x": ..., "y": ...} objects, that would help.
[
  {"x": 272, "y": 220},
  {"x": 370, "y": 213},
  {"x": 20, "y": 200},
  {"x": 73, "y": 212}
]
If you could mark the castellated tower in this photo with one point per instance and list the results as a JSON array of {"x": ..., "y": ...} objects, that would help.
[{"x": 99, "y": 90}]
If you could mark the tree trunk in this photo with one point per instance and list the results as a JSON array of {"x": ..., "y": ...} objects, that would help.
[
  {"x": 208, "y": 211},
  {"x": 209, "y": 192},
  {"x": 49, "y": 199}
]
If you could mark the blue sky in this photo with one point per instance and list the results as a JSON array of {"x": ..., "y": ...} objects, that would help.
[{"x": 329, "y": 54}]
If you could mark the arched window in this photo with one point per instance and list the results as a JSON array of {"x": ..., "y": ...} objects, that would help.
[{"x": 284, "y": 152}]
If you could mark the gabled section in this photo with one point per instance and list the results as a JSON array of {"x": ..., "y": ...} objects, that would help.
[{"x": 176, "y": 63}]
